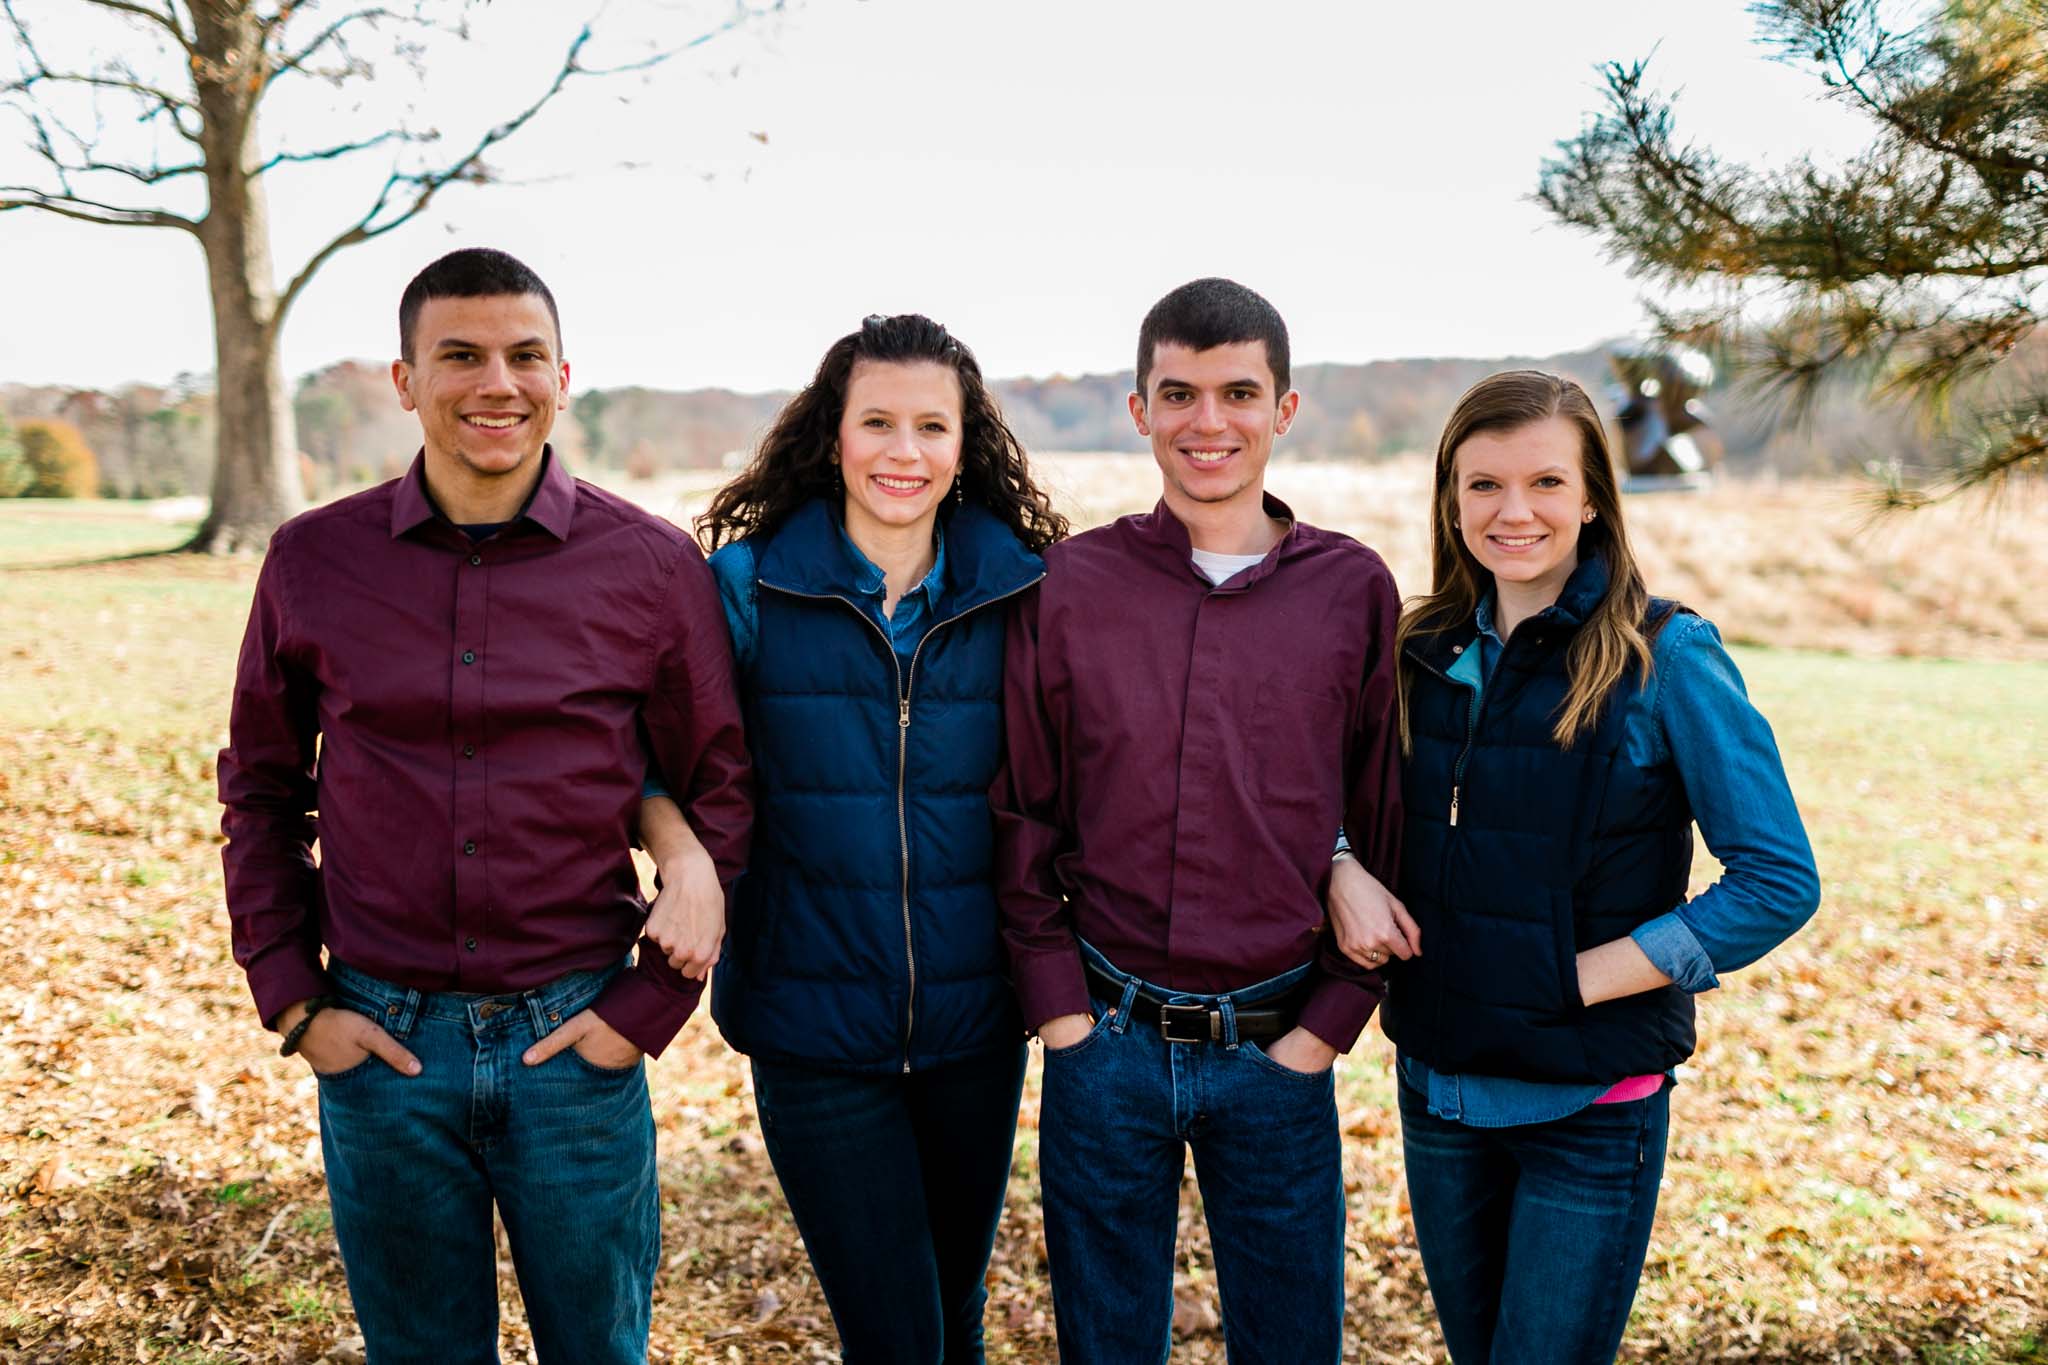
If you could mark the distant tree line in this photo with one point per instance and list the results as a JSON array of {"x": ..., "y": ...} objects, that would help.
[
  {"x": 139, "y": 441},
  {"x": 153, "y": 441}
]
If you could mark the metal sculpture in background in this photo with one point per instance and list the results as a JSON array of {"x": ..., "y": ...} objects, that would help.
[{"x": 1665, "y": 439}]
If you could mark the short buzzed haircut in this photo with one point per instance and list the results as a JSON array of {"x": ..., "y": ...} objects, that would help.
[
  {"x": 1203, "y": 314},
  {"x": 472, "y": 273}
]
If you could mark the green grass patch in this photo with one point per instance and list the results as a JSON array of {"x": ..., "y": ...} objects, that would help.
[
  {"x": 308, "y": 1303},
  {"x": 62, "y": 530},
  {"x": 314, "y": 1222},
  {"x": 242, "y": 1193}
]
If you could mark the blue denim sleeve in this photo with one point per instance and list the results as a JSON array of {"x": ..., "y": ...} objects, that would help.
[
  {"x": 732, "y": 568},
  {"x": 1728, "y": 760}
]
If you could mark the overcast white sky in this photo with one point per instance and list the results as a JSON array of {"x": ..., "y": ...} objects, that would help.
[{"x": 1034, "y": 174}]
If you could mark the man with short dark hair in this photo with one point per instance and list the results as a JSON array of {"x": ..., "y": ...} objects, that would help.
[
  {"x": 465, "y": 671},
  {"x": 1196, "y": 699}
]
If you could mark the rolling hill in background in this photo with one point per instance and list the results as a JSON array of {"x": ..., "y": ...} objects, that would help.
[{"x": 157, "y": 441}]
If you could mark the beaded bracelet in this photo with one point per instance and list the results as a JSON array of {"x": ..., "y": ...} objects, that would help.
[{"x": 313, "y": 1007}]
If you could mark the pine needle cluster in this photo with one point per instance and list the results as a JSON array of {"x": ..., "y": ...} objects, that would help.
[{"x": 1914, "y": 267}]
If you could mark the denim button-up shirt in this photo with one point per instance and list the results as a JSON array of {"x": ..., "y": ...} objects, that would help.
[{"x": 1695, "y": 715}]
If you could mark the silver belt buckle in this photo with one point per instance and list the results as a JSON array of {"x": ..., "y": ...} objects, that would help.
[{"x": 1190, "y": 1023}]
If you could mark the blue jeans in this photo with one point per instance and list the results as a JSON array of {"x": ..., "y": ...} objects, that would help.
[
  {"x": 897, "y": 1184},
  {"x": 1533, "y": 1236},
  {"x": 1118, "y": 1112},
  {"x": 414, "y": 1163}
]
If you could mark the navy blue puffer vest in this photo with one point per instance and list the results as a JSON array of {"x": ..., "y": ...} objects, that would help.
[
  {"x": 1518, "y": 855},
  {"x": 863, "y": 935}
]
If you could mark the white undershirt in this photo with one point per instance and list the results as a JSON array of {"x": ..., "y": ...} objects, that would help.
[{"x": 1220, "y": 569}]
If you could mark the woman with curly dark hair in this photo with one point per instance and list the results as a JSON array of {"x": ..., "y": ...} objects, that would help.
[{"x": 863, "y": 559}]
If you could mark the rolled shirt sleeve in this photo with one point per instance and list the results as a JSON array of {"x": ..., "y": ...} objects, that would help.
[
  {"x": 1675, "y": 951},
  {"x": 1728, "y": 760}
]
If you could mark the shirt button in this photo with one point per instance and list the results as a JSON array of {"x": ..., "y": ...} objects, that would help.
[
  {"x": 470, "y": 944},
  {"x": 476, "y": 559},
  {"x": 469, "y": 656},
  {"x": 469, "y": 751},
  {"x": 469, "y": 845}
]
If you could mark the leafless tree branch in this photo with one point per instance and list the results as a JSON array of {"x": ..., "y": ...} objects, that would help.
[
  {"x": 389, "y": 135},
  {"x": 89, "y": 210},
  {"x": 165, "y": 18},
  {"x": 296, "y": 61},
  {"x": 417, "y": 189}
]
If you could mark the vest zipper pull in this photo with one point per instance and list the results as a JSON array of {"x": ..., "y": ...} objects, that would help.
[
  {"x": 903, "y": 712},
  {"x": 1454, "y": 805}
]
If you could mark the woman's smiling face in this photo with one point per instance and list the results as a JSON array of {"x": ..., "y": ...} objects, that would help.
[
  {"x": 1521, "y": 502},
  {"x": 899, "y": 443}
]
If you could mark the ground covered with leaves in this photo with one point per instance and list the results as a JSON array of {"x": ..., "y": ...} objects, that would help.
[{"x": 1859, "y": 1163}]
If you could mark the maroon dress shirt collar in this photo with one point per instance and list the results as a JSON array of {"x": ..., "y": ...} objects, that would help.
[
  {"x": 1162, "y": 528},
  {"x": 551, "y": 505}
]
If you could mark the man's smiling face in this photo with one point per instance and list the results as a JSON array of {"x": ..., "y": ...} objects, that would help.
[
  {"x": 1212, "y": 416},
  {"x": 486, "y": 381}
]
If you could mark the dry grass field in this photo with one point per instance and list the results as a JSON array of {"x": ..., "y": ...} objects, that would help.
[{"x": 1859, "y": 1168}]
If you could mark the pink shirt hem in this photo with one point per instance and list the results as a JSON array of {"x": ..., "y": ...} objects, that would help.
[{"x": 1634, "y": 1088}]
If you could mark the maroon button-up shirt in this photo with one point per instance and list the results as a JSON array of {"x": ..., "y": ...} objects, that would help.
[
  {"x": 1180, "y": 756},
  {"x": 472, "y": 723}
]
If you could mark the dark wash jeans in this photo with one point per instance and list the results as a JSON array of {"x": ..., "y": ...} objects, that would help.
[
  {"x": 1118, "y": 1112},
  {"x": 1533, "y": 1236},
  {"x": 897, "y": 1185},
  {"x": 414, "y": 1163}
]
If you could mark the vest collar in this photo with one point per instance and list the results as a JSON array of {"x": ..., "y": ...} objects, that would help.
[
  {"x": 1582, "y": 593},
  {"x": 808, "y": 555}
]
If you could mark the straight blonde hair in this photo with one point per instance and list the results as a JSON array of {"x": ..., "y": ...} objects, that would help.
[{"x": 1611, "y": 641}]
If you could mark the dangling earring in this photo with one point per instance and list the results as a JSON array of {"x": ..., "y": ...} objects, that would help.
[{"x": 959, "y": 491}]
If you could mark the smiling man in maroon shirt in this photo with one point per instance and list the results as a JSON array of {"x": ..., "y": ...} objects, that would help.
[
  {"x": 1196, "y": 699},
  {"x": 464, "y": 672}
]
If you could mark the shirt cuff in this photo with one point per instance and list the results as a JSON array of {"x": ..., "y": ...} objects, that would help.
[
  {"x": 1049, "y": 985},
  {"x": 1674, "y": 950},
  {"x": 284, "y": 978},
  {"x": 645, "y": 1012},
  {"x": 1338, "y": 1010}
]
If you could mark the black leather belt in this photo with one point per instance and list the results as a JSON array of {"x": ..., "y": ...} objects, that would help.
[{"x": 1260, "y": 1023}]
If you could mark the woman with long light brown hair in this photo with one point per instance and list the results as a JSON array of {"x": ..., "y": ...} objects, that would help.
[{"x": 1563, "y": 731}]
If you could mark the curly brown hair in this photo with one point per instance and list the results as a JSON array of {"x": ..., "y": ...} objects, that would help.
[{"x": 795, "y": 462}]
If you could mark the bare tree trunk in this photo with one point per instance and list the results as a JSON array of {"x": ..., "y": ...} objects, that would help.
[
  {"x": 232, "y": 51},
  {"x": 256, "y": 482}
]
